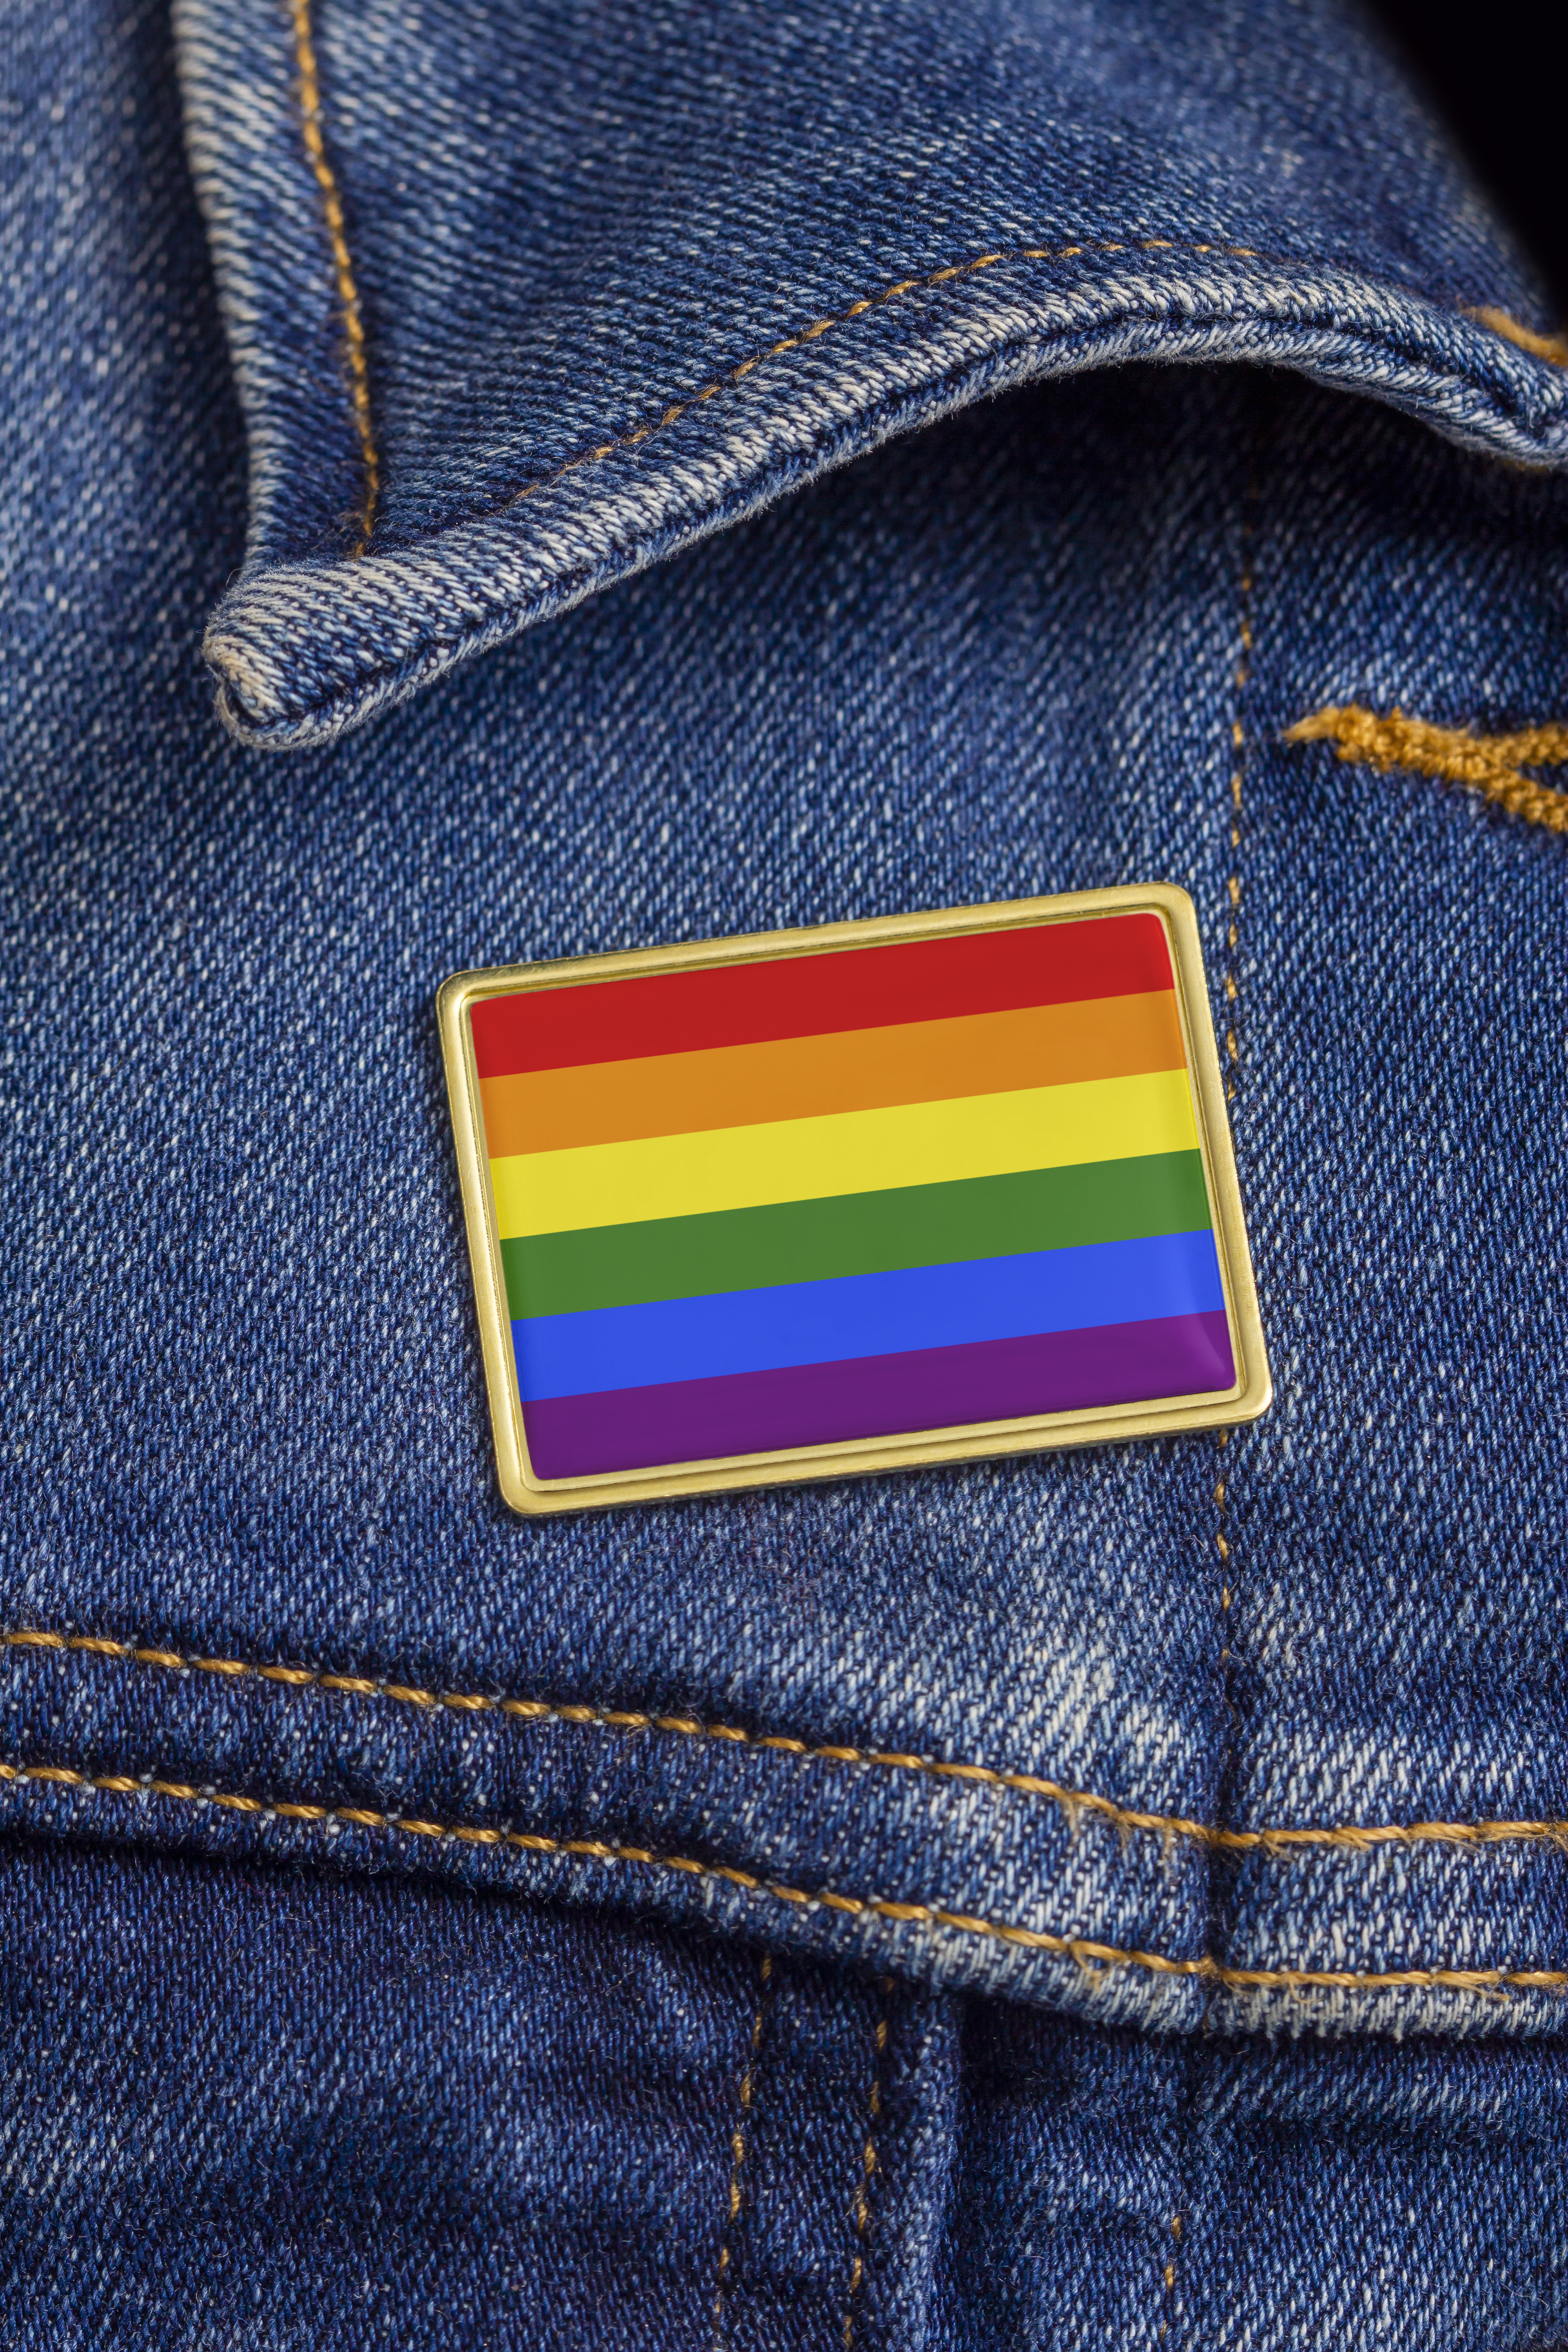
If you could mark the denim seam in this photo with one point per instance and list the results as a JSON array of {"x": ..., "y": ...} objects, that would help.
[
  {"x": 1238, "y": 787},
  {"x": 820, "y": 326},
  {"x": 945, "y": 275},
  {"x": 261, "y": 708},
  {"x": 1542, "y": 347},
  {"x": 1168, "y": 2277},
  {"x": 1487, "y": 764},
  {"x": 1219, "y": 1891},
  {"x": 868, "y": 2161},
  {"x": 1232, "y": 966},
  {"x": 310, "y": 97},
  {"x": 1091, "y": 1957},
  {"x": 1272, "y": 1842},
  {"x": 740, "y": 2147}
]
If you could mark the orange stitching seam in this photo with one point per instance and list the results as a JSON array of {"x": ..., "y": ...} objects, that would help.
[
  {"x": 1085, "y": 1953},
  {"x": 343, "y": 264},
  {"x": 1169, "y": 2277},
  {"x": 739, "y": 2146},
  {"x": 1074, "y": 1802},
  {"x": 820, "y": 326},
  {"x": 1487, "y": 764},
  {"x": 1542, "y": 347},
  {"x": 867, "y": 2166}
]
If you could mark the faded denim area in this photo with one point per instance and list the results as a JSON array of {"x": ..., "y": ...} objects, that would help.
[{"x": 279, "y": 2076}]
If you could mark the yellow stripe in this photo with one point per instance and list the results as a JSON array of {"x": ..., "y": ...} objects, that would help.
[{"x": 842, "y": 1151}]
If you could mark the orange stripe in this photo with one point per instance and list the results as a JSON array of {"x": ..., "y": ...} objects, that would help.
[{"x": 852, "y": 1070}]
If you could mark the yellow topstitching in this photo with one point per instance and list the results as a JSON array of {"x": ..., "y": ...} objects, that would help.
[
  {"x": 1551, "y": 348},
  {"x": 1487, "y": 764},
  {"x": 342, "y": 266},
  {"x": 1542, "y": 347},
  {"x": 740, "y": 2142},
  {"x": 820, "y": 326},
  {"x": 1168, "y": 2277},
  {"x": 868, "y": 2161},
  {"x": 1088, "y": 1954},
  {"x": 1074, "y": 1802}
]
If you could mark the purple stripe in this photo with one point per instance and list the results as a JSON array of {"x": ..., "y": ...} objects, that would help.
[{"x": 876, "y": 1396}]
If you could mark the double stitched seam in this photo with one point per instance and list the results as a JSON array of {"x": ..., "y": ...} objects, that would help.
[
  {"x": 1089, "y": 1955},
  {"x": 1074, "y": 1802},
  {"x": 868, "y": 2163},
  {"x": 739, "y": 2148},
  {"x": 310, "y": 94},
  {"x": 1490, "y": 766}
]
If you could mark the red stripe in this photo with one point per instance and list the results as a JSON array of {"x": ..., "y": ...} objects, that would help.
[{"x": 813, "y": 995}]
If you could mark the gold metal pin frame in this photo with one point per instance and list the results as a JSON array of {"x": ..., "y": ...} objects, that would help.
[{"x": 525, "y": 1491}]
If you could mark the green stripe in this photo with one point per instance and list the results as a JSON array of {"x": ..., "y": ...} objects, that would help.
[{"x": 856, "y": 1233}]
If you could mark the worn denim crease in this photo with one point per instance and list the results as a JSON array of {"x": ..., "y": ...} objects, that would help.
[
  {"x": 225, "y": 55},
  {"x": 1540, "y": 346},
  {"x": 286, "y": 728}
]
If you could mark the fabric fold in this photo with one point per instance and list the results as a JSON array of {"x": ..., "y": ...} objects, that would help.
[{"x": 518, "y": 306}]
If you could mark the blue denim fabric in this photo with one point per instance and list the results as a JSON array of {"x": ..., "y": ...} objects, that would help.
[
  {"x": 251, "y": 2107},
  {"x": 394, "y": 2086},
  {"x": 628, "y": 276}
]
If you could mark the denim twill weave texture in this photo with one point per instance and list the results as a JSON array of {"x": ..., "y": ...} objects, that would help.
[
  {"x": 595, "y": 338},
  {"x": 285, "y": 2066}
]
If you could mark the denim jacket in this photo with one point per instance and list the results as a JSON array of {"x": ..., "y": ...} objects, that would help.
[{"x": 639, "y": 474}]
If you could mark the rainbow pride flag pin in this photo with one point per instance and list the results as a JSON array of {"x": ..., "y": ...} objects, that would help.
[{"x": 821, "y": 1203}]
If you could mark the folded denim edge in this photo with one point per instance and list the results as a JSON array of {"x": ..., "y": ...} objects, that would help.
[
  {"x": 304, "y": 651},
  {"x": 918, "y": 1941},
  {"x": 951, "y": 1881}
]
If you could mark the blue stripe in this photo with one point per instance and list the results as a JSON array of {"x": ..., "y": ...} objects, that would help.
[{"x": 866, "y": 1315}]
